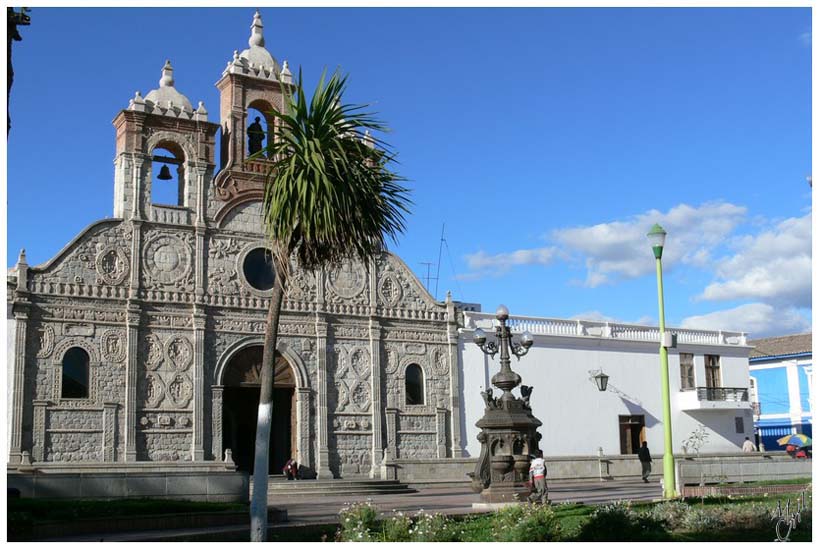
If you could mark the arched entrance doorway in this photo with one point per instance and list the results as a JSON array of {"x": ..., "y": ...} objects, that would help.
[{"x": 240, "y": 408}]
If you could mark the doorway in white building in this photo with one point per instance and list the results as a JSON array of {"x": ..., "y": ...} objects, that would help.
[{"x": 632, "y": 431}]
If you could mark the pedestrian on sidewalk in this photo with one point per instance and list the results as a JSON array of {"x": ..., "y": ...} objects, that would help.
[
  {"x": 748, "y": 446},
  {"x": 646, "y": 462},
  {"x": 538, "y": 479}
]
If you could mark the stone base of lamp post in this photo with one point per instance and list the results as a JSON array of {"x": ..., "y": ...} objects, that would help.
[{"x": 509, "y": 438}]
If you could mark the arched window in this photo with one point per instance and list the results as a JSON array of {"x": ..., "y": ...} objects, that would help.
[
  {"x": 414, "y": 385},
  {"x": 75, "y": 373}
]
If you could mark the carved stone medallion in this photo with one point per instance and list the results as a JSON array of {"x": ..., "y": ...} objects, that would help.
[
  {"x": 440, "y": 363},
  {"x": 390, "y": 290},
  {"x": 167, "y": 259},
  {"x": 154, "y": 390},
  {"x": 113, "y": 345},
  {"x": 392, "y": 363},
  {"x": 179, "y": 352},
  {"x": 180, "y": 390},
  {"x": 348, "y": 279},
  {"x": 45, "y": 335},
  {"x": 154, "y": 355},
  {"x": 112, "y": 265}
]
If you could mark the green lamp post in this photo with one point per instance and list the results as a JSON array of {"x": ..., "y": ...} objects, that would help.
[{"x": 657, "y": 237}]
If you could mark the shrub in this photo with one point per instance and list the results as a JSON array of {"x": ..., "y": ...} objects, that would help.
[
  {"x": 358, "y": 521},
  {"x": 397, "y": 528},
  {"x": 526, "y": 523},
  {"x": 700, "y": 520},
  {"x": 618, "y": 522},
  {"x": 671, "y": 513},
  {"x": 433, "y": 528}
]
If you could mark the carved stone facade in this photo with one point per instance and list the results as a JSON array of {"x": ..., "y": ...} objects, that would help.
[{"x": 159, "y": 301}]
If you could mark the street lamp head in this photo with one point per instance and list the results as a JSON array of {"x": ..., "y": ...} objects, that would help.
[
  {"x": 526, "y": 339},
  {"x": 479, "y": 337},
  {"x": 502, "y": 313},
  {"x": 601, "y": 380},
  {"x": 657, "y": 238}
]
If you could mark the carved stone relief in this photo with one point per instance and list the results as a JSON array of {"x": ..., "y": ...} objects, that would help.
[
  {"x": 179, "y": 352},
  {"x": 45, "y": 337},
  {"x": 113, "y": 345},
  {"x": 347, "y": 280},
  {"x": 112, "y": 265},
  {"x": 167, "y": 260}
]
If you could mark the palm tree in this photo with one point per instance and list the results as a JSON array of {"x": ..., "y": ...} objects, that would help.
[{"x": 330, "y": 195}]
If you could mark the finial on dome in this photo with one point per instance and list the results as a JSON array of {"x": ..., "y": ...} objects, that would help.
[
  {"x": 285, "y": 76},
  {"x": 256, "y": 39},
  {"x": 167, "y": 75},
  {"x": 21, "y": 259}
]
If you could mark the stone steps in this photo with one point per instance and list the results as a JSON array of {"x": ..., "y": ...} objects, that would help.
[{"x": 278, "y": 487}]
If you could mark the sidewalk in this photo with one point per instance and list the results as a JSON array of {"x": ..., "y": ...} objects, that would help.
[{"x": 308, "y": 510}]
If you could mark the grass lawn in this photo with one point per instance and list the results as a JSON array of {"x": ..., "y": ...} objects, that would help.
[{"x": 800, "y": 481}]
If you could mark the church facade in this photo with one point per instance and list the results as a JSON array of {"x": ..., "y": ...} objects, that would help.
[{"x": 140, "y": 341}]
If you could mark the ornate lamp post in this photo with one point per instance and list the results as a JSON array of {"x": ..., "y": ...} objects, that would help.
[
  {"x": 508, "y": 429},
  {"x": 657, "y": 237}
]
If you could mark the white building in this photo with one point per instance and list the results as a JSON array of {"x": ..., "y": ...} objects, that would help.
[{"x": 708, "y": 373}]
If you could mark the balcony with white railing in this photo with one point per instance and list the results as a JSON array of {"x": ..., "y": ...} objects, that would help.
[
  {"x": 705, "y": 398},
  {"x": 602, "y": 329}
]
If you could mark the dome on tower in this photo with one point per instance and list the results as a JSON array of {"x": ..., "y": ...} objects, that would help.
[
  {"x": 166, "y": 95},
  {"x": 255, "y": 60}
]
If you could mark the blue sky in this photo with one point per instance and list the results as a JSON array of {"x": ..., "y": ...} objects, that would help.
[{"x": 547, "y": 140}]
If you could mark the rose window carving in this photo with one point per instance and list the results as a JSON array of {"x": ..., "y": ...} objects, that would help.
[
  {"x": 167, "y": 259},
  {"x": 348, "y": 279}
]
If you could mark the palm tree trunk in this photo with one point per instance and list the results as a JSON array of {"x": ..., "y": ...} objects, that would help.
[{"x": 259, "y": 499}]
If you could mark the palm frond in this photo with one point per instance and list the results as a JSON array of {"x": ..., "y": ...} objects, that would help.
[{"x": 330, "y": 194}]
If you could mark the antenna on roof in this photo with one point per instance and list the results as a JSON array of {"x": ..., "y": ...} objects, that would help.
[{"x": 438, "y": 266}]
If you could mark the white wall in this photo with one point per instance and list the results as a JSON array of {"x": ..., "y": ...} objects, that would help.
[{"x": 577, "y": 418}]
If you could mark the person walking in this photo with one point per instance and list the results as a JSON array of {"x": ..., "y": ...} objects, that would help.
[
  {"x": 646, "y": 462},
  {"x": 748, "y": 446},
  {"x": 538, "y": 479}
]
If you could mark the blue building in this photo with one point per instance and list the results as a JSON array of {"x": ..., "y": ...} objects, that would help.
[{"x": 780, "y": 369}]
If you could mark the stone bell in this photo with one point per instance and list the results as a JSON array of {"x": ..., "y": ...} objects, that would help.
[{"x": 164, "y": 173}]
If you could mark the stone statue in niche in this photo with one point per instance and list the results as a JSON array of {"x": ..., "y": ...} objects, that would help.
[{"x": 256, "y": 134}]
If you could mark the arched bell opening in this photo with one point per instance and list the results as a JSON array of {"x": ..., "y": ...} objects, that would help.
[
  {"x": 260, "y": 125},
  {"x": 167, "y": 174},
  {"x": 240, "y": 405}
]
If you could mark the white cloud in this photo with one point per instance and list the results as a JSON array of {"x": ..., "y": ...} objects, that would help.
[
  {"x": 482, "y": 263},
  {"x": 621, "y": 249},
  {"x": 756, "y": 319},
  {"x": 773, "y": 266},
  {"x": 805, "y": 38}
]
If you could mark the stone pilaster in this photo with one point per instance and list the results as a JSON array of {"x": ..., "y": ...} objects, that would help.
[
  {"x": 136, "y": 187},
  {"x": 303, "y": 425},
  {"x": 322, "y": 454},
  {"x": 391, "y": 417},
  {"x": 216, "y": 422},
  {"x": 109, "y": 436},
  {"x": 38, "y": 436},
  {"x": 20, "y": 310},
  {"x": 201, "y": 194},
  {"x": 441, "y": 432},
  {"x": 131, "y": 381},
  {"x": 376, "y": 393},
  {"x": 457, "y": 443},
  {"x": 198, "y": 443}
]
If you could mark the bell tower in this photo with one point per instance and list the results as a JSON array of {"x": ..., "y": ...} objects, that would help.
[
  {"x": 163, "y": 128},
  {"x": 254, "y": 80}
]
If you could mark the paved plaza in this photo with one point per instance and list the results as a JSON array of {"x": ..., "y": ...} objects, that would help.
[{"x": 313, "y": 510}]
